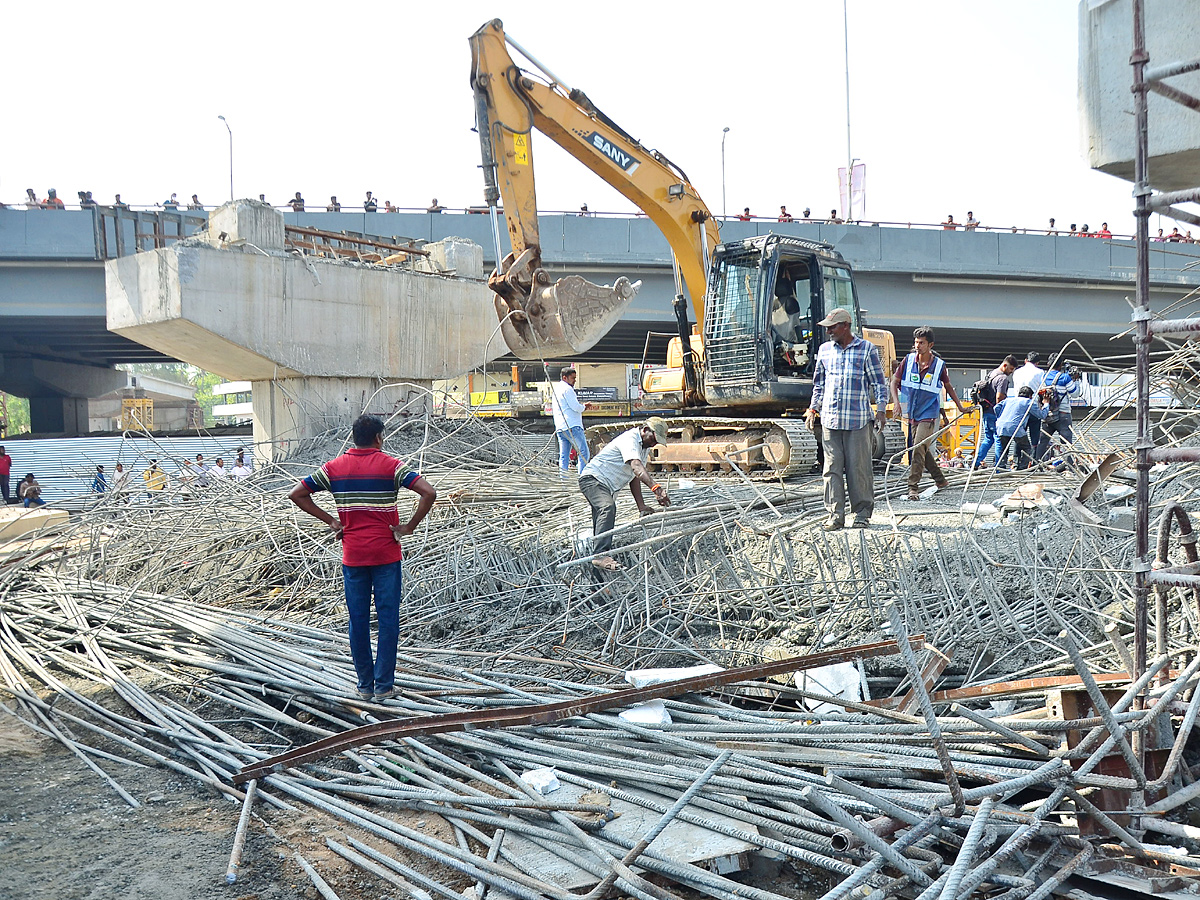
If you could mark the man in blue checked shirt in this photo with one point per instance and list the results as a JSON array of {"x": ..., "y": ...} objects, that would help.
[{"x": 847, "y": 375}]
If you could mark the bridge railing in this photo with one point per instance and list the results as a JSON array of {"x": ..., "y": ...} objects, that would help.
[{"x": 120, "y": 231}]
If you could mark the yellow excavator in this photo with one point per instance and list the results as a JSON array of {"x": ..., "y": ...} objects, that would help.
[{"x": 750, "y": 354}]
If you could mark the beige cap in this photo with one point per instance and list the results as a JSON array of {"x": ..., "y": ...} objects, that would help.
[
  {"x": 835, "y": 317},
  {"x": 659, "y": 427}
]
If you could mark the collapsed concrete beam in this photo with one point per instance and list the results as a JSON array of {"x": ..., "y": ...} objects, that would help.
[{"x": 317, "y": 337}]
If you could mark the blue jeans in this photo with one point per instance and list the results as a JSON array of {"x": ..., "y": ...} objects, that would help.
[
  {"x": 34, "y": 501},
  {"x": 572, "y": 437},
  {"x": 378, "y": 674},
  {"x": 989, "y": 438}
]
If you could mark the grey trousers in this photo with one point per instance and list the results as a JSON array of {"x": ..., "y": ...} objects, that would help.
[
  {"x": 848, "y": 469},
  {"x": 604, "y": 512}
]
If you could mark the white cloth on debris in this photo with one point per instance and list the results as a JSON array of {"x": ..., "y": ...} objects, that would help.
[
  {"x": 839, "y": 680},
  {"x": 645, "y": 677}
]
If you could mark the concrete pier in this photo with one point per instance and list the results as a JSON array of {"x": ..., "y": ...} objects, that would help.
[{"x": 321, "y": 340}]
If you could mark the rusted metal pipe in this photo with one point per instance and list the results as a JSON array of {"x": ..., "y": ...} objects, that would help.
[{"x": 239, "y": 837}]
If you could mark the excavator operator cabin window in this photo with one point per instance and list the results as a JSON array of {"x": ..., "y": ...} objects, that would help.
[{"x": 839, "y": 293}]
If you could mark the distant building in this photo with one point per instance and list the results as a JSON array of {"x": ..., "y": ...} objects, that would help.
[
  {"x": 233, "y": 406},
  {"x": 157, "y": 403}
]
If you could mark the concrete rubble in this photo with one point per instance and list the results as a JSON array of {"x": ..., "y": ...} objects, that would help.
[{"x": 998, "y": 753}]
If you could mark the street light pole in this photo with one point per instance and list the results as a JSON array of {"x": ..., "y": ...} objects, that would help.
[
  {"x": 230, "y": 130},
  {"x": 724, "y": 208}
]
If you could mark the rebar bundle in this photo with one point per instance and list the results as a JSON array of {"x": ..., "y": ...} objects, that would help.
[{"x": 215, "y": 617}]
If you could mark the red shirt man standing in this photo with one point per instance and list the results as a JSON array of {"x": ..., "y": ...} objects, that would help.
[
  {"x": 5, "y": 471},
  {"x": 364, "y": 482}
]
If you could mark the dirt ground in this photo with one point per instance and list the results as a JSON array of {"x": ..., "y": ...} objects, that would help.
[{"x": 65, "y": 834}]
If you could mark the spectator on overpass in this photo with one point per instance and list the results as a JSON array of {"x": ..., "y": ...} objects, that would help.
[
  {"x": 118, "y": 203},
  {"x": 195, "y": 204},
  {"x": 1103, "y": 232},
  {"x": 171, "y": 203},
  {"x": 745, "y": 216},
  {"x": 296, "y": 203},
  {"x": 807, "y": 214},
  {"x": 435, "y": 207},
  {"x": 1051, "y": 230},
  {"x": 784, "y": 215},
  {"x": 388, "y": 207},
  {"x": 31, "y": 200},
  {"x": 30, "y": 492},
  {"x": 370, "y": 204},
  {"x": 949, "y": 224},
  {"x": 834, "y": 218},
  {"x": 973, "y": 223},
  {"x": 1160, "y": 237},
  {"x": 85, "y": 200},
  {"x": 1074, "y": 231},
  {"x": 52, "y": 201},
  {"x": 1083, "y": 232},
  {"x": 333, "y": 206}
]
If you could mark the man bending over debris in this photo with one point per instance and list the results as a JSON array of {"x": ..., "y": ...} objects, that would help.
[
  {"x": 622, "y": 462},
  {"x": 364, "y": 482}
]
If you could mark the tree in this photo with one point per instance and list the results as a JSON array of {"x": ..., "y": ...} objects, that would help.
[
  {"x": 204, "y": 382},
  {"x": 15, "y": 413}
]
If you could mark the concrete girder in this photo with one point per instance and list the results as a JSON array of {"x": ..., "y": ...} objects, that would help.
[{"x": 315, "y": 336}]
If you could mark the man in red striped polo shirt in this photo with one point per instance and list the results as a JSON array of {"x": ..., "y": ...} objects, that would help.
[{"x": 364, "y": 482}]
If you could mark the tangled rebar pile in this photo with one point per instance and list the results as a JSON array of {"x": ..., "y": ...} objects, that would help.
[{"x": 215, "y": 616}]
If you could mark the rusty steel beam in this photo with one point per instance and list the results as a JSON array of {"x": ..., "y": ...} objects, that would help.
[
  {"x": 546, "y": 713},
  {"x": 352, "y": 239}
]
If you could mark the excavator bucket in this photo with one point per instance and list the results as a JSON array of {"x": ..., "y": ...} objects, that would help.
[{"x": 564, "y": 319}]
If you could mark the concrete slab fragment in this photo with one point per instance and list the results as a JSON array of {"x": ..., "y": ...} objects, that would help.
[{"x": 681, "y": 841}]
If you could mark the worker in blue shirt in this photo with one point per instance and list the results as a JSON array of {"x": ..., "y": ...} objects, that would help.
[{"x": 1013, "y": 415}]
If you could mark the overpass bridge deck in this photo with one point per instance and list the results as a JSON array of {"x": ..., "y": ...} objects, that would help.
[{"x": 988, "y": 293}]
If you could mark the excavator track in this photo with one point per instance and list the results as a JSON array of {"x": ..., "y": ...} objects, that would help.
[{"x": 761, "y": 448}]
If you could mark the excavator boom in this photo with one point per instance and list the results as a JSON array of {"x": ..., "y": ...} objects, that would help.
[{"x": 539, "y": 318}]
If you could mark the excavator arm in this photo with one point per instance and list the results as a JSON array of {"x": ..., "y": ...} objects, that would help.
[{"x": 510, "y": 103}]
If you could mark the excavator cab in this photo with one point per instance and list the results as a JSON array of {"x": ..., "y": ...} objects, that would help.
[{"x": 766, "y": 295}]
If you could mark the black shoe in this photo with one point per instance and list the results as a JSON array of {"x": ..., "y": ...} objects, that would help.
[
  {"x": 860, "y": 523},
  {"x": 833, "y": 524}
]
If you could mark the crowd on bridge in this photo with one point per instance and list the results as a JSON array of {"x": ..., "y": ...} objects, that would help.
[{"x": 371, "y": 204}]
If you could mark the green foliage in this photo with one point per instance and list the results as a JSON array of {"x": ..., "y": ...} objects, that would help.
[
  {"x": 15, "y": 412},
  {"x": 204, "y": 382}
]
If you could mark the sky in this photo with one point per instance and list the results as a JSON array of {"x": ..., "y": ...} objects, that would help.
[{"x": 954, "y": 106}]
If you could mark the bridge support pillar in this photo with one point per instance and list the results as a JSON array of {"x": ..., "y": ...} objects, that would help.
[
  {"x": 58, "y": 392},
  {"x": 58, "y": 415},
  {"x": 287, "y": 411}
]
